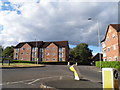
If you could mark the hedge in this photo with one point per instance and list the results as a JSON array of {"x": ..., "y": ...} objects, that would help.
[
  {"x": 108, "y": 64},
  {"x": 51, "y": 63}
]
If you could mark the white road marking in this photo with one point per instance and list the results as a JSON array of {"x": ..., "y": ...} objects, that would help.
[{"x": 33, "y": 80}]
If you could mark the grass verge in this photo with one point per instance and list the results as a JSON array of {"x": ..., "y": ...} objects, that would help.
[{"x": 20, "y": 65}]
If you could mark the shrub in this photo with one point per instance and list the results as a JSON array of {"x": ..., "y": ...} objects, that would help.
[{"x": 108, "y": 64}]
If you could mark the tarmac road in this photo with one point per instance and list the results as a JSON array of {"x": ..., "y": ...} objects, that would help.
[{"x": 34, "y": 77}]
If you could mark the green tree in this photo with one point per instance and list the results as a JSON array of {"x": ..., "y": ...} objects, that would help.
[
  {"x": 1, "y": 50},
  {"x": 82, "y": 52},
  {"x": 8, "y": 51}
]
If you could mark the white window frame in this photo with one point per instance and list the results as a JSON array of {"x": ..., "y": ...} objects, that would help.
[
  {"x": 113, "y": 35},
  {"x": 114, "y": 47},
  {"x": 47, "y": 54},
  {"x": 108, "y": 49}
]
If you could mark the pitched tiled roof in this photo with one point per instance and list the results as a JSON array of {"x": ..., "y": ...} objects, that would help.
[
  {"x": 58, "y": 43},
  {"x": 43, "y": 44},
  {"x": 32, "y": 44},
  {"x": 115, "y": 26}
]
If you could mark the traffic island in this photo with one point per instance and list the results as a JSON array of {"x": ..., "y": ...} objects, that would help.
[{"x": 72, "y": 84}]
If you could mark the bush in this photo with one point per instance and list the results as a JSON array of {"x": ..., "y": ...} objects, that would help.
[{"x": 108, "y": 64}]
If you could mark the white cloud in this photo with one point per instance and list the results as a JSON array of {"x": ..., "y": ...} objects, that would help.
[{"x": 49, "y": 21}]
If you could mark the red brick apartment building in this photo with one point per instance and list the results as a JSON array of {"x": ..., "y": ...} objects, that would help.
[
  {"x": 111, "y": 43},
  {"x": 42, "y": 51}
]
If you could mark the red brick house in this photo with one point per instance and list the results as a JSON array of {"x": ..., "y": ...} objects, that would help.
[
  {"x": 111, "y": 43},
  {"x": 42, "y": 51}
]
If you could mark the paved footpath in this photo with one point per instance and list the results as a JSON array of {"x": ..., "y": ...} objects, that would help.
[{"x": 73, "y": 84}]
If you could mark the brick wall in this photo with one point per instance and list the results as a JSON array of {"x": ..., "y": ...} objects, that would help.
[
  {"x": 25, "y": 52},
  {"x": 111, "y": 45},
  {"x": 51, "y": 53}
]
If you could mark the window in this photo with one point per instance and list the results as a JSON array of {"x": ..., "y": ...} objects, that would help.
[
  {"x": 103, "y": 45},
  {"x": 108, "y": 49},
  {"x": 60, "y": 54},
  {"x": 16, "y": 54},
  {"x": 47, "y": 54},
  {"x": 23, "y": 48},
  {"x": 41, "y": 49},
  {"x": 108, "y": 39},
  {"x": 113, "y": 36},
  {"x": 33, "y": 54},
  {"x": 47, "y": 59},
  {"x": 27, "y": 53},
  {"x": 17, "y": 50},
  {"x": 60, "y": 59},
  {"x": 60, "y": 49},
  {"x": 104, "y": 53},
  {"x": 54, "y": 54},
  {"x": 114, "y": 47},
  {"x": 33, "y": 59},
  {"x": 47, "y": 48},
  {"x": 53, "y": 48},
  {"x": 26, "y": 58},
  {"x": 34, "y": 49},
  {"x": 28, "y": 48},
  {"x": 53, "y": 59},
  {"x": 22, "y": 53}
]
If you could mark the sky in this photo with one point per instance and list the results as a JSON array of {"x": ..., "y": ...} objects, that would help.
[{"x": 56, "y": 20}]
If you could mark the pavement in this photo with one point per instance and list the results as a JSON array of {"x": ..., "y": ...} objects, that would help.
[{"x": 73, "y": 84}]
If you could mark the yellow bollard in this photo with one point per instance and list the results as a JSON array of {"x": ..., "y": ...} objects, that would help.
[
  {"x": 77, "y": 74},
  {"x": 110, "y": 79}
]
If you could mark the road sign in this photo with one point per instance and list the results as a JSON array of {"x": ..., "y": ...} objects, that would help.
[{"x": 110, "y": 79}]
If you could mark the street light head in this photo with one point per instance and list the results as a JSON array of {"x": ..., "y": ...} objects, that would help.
[{"x": 89, "y": 18}]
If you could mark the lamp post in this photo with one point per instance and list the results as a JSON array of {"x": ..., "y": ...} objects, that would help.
[{"x": 90, "y": 19}]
